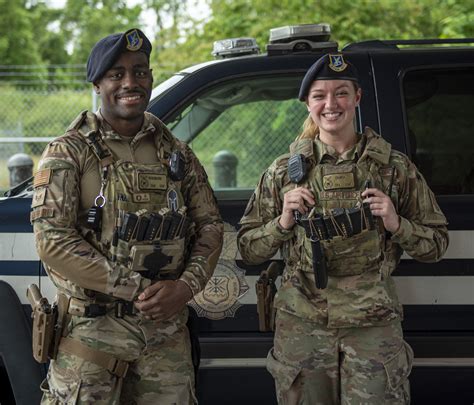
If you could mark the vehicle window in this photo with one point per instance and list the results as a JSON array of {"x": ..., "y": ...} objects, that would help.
[
  {"x": 440, "y": 114},
  {"x": 239, "y": 128}
]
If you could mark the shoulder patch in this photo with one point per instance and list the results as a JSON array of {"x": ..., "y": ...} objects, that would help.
[{"x": 42, "y": 178}]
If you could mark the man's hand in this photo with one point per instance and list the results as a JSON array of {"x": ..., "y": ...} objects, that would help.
[
  {"x": 163, "y": 299},
  {"x": 381, "y": 206},
  {"x": 298, "y": 199}
]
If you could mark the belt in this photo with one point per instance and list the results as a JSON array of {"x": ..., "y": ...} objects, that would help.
[{"x": 93, "y": 310}]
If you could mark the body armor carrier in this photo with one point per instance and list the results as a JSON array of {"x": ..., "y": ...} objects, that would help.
[
  {"x": 340, "y": 236},
  {"x": 139, "y": 218}
]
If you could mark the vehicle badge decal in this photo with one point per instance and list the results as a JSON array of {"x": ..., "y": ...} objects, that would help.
[
  {"x": 134, "y": 42},
  {"x": 220, "y": 297},
  {"x": 337, "y": 63},
  {"x": 172, "y": 197}
]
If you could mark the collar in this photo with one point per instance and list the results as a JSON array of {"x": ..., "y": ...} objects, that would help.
[
  {"x": 326, "y": 153},
  {"x": 108, "y": 133}
]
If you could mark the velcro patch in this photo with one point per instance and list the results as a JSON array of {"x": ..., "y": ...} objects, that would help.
[
  {"x": 42, "y": 178},
  {"x": 41, "y": 213},
  {"x": 38, "y": 198},
  {"x": 141, "y": 197},
  {"x": 151, "y": 181},
  {"x": 338, "y": 180}
]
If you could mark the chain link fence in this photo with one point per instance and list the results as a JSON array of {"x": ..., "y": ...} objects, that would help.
[
  {"x": 37, "y": 104},
  {"x": 242, "y": 142},
  {"x": 235, "y": 145}
]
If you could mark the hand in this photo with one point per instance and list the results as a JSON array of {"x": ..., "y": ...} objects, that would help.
[
  {"x": 381, "y": 206},
  {"x": 298, "y": 199},
  {"x": 163, "y": 299}
]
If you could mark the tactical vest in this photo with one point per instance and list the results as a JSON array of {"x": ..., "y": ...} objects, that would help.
[
  {"x": 350, "y": 246},
  {"x": 139, "y": 219}
]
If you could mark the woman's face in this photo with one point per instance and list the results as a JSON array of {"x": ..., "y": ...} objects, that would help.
[{"x": 331, "y": 104}]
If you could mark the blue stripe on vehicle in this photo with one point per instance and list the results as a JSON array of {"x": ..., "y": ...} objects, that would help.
[
  {"x": 20, "y": 268},
  {"x": 15, "y": 215}
]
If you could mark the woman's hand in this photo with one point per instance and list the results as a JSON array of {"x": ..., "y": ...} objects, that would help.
[
  {"x": 381, "y": 206},
  {"x": 299, "y": 199}
]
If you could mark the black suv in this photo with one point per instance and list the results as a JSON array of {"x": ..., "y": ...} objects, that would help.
[{"x": 241, "y": 111}]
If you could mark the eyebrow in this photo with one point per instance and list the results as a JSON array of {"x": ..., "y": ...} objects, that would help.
[
  {"x": 137, "y": 65},
  {"x": 337, "y": 88}
]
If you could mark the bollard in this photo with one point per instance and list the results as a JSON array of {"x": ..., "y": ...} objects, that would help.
[
  {"x": 20, "y": 166},
  {"x": 225, "y": 169}
]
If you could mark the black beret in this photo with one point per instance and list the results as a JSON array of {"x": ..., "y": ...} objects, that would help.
[
  {"x": 108, "y": 49},
  {"x": 327, "y": 67}
]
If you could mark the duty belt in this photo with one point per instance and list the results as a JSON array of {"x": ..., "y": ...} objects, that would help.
[{"x": 93, "y": 310}]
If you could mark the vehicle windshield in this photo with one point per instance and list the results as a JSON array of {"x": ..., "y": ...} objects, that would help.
[{"x": 239, "y": 127}]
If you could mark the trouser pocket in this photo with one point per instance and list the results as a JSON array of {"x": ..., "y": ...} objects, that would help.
[
  {"x": 398, "y": 369},
  {"x": 284, "y": 375},
  {"x": 60, "y": 387}
]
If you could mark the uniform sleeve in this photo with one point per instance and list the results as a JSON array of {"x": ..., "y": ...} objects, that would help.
[
  {"x": 60, "y": 246},
  {"x": 260, "y": 235},
  {"x": 209, "y": 228},
  {"x": 423, "y": 233}
]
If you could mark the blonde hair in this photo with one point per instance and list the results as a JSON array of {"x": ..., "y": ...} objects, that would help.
[{"x": 310, "y": 129}]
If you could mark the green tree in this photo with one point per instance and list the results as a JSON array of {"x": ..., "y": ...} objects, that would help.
[
  {"x": 350, "y": 21},
  {"x": 51, "y": 43},
  {"x": 84, "y": 23},
  {"x": 17, "y": 42}
]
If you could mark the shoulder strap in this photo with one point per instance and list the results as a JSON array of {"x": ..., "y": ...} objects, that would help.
[{"x": 87, "y": 125}]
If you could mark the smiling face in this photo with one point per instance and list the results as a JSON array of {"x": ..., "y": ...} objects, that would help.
[
  {"x": 125, "y": 90},
  {"x": 331, "y": 105}
]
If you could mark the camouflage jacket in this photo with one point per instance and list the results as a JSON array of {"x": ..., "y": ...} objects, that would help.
[
  {"x": 69, "y": 179},
  {"x": 351, "y": 299}
]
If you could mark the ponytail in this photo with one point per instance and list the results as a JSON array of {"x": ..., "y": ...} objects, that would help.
[{"x": 310, "y": 129}]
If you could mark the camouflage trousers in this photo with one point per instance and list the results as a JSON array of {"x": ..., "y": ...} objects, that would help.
[
  {"x": 313, "y": 365},
  {"x": 159, "y": 355}
]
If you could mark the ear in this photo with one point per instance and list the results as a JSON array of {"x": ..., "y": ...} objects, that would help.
[
  {"x": 151, "y": 74},
  {"x": 358, "y": 96},
  {"x": 307, "y": 105},
  {"x": 96, "y": 87}
]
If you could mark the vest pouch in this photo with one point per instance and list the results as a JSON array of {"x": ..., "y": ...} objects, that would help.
[
  {"x": 163, "y": 260},
  {"x": 175, "y": 250},
  {"x": 352, "y": 256}
]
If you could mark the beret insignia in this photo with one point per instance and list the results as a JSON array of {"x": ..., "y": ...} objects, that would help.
[
  {"x": 134, "y": 42},
  {"x": 337, "y": 63}
]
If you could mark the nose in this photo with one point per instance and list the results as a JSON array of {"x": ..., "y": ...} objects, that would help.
[
  {"x": 331, "y": 101},
  {"x": 129, "y": 81}
]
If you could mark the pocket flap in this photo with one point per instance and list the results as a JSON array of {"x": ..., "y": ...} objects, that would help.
[
  {"x": 398, "y": 368},
  {"x": 283, "y": 374}
]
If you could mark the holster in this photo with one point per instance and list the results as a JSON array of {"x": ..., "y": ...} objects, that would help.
[
  {"x": 48, "y": 324},
  {"x": 266, "y": 290},
  {"x": 44, "y": 319}
]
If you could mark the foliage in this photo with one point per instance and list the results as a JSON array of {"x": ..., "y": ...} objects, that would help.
[
  {"x": 83, "y": 23},
  {"x": 350, "y": 21},
  {"x": 17, "y": 45}
]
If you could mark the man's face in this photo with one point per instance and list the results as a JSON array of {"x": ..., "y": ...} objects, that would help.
[{"x": 125, "y": 89}]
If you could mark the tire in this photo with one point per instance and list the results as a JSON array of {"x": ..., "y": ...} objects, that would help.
[{"x": 24, "y": 373}]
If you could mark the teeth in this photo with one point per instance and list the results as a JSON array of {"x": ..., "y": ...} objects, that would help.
[
  {"x": 130, "y": 98},
  {"x": 331, "y": 115}
]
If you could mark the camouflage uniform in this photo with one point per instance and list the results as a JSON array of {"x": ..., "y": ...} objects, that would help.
[
  {"x": 89, "y": 269},
  {"x": 342, "y": 344}
]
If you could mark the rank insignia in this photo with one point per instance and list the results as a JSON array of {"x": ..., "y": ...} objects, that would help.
[
  {"x": 337, "y": 63},
  {"x": 134, "y": 42}
]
